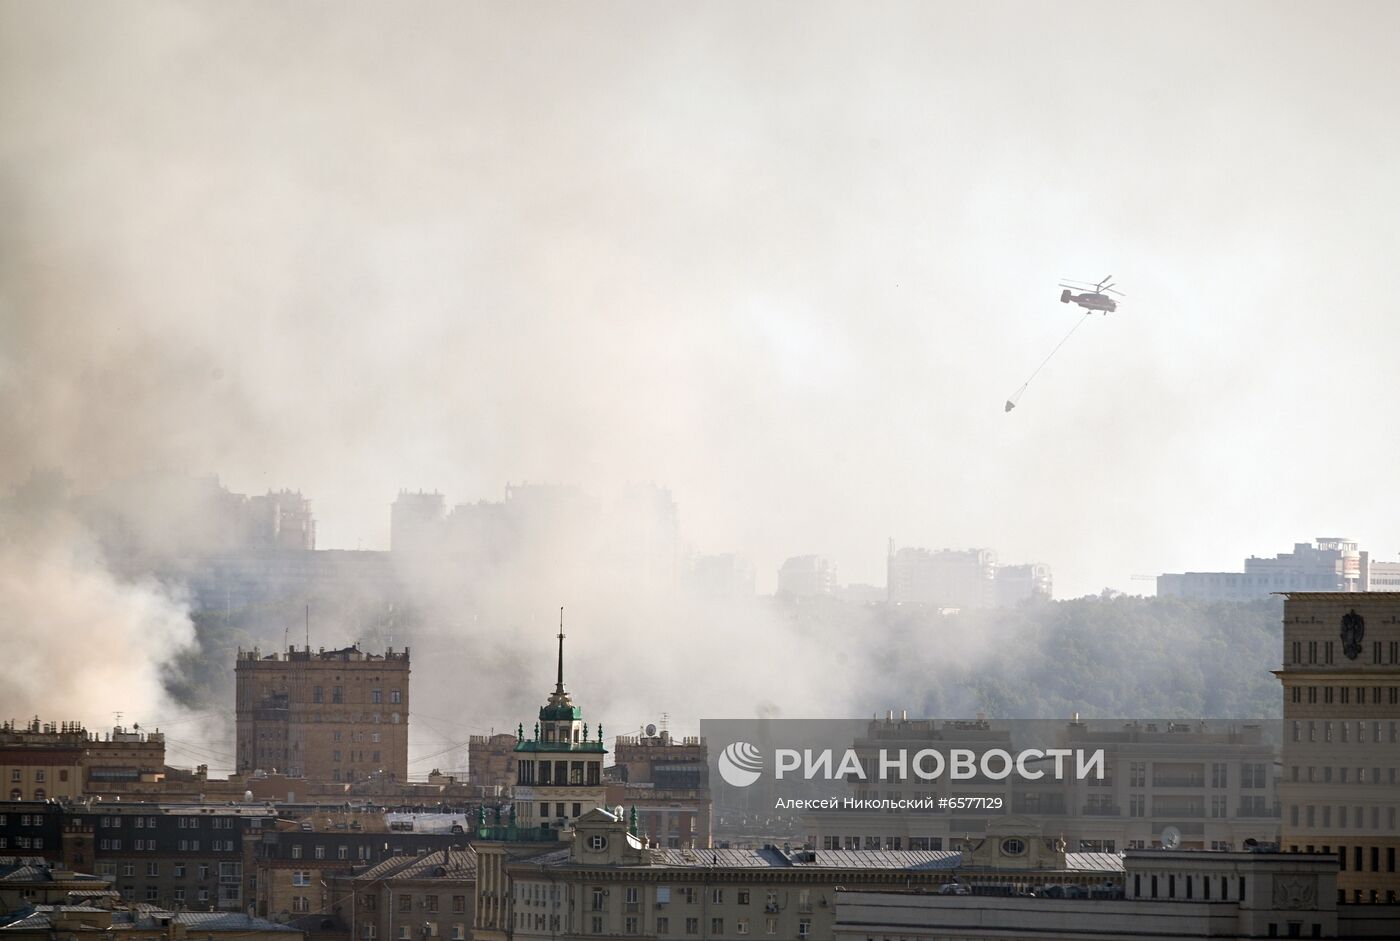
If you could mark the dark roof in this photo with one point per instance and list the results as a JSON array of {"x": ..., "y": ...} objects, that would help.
[{"x": 461, "y": 864}]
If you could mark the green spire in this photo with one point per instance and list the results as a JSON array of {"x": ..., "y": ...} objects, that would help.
[
  {"x": 520, "y": 732},
  {"x": 632, "y": 821}
]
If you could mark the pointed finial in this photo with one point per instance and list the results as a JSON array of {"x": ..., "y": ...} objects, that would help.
[
  {"x": 520, "y": 732},
  {"x": 632, "y": 821},
  {"x": 559, "y": 684},
  {"x": 600, "y": 731}
]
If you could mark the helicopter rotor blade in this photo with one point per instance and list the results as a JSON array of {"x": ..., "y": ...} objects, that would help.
[{"x": 1112, "y": 291}]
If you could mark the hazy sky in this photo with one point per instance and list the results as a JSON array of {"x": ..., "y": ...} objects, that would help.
[{"x": 789, "y": 259}]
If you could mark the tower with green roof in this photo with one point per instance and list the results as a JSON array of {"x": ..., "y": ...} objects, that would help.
[{"x": 559, "y": 764}]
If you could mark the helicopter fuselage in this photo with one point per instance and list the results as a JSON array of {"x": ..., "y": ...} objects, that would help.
[{"x": 1089, "y": 301}]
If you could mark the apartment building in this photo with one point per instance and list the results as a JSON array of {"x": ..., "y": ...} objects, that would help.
[{"x": 328, "y": 716}]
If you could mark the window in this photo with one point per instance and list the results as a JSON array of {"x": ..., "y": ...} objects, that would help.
[
  {"x": 717, "y": 926},
  {"x": 303, "y": 877},
  {"x": 153, "y": 869},
  {"x": 376, "y": 696},
  {"x": 692, "y": 926},
  {"x": 405, "y": 902},
  {"x": 459, "y": 904},
  {"x": 395, "y": 696},
  {"x": 430, "y": 902},
  {"x": 663, "y": 925},
  {"x": 337, "y": 694},
  {"x": 301, "y": 903},
  {"x": 318, "y": 695},
  {"x": 597, "y": 842},
  {"x": 179, "y": 870}
]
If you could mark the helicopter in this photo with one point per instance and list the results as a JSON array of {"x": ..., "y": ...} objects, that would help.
[{"x": 1095, "y": 296}]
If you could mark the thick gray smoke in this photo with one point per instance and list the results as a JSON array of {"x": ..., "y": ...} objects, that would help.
[{"x": 791, "y": 269}]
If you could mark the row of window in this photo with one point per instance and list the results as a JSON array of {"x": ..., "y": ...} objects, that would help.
[
  {"x": 228, "y": 872},
  {"x": 1353, "y": 818},
  {"x": 369, "y": 932},
  {"x": 23, "y": 843},
  {"x": 632, "y": 925},
  {"x": 1343, "y": 695},
  {"x": 1343, "y": 775},
  {"x": 1188, "y": 884},
  {"x": 187, "y": 822},
  {"x": 342, "y": 851},
  {"x": 1361, "y": 731},
  {"x": 1329, "y": 650},
  {"x": 318, "y": 694},
  {"x": 150, "y": 846},
  {"x": 25, "y": 820},
  {"x": 41, "y": 775}
]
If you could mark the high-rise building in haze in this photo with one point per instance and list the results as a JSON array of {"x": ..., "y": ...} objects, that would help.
[
  {"x": 962, "y": 578},
  {"x": 1333, "y": 563}
]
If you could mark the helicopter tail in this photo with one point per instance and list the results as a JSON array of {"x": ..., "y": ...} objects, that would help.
[
  {"x": 1010, "y": 405},
  {"x": 1064, "y": 296}
]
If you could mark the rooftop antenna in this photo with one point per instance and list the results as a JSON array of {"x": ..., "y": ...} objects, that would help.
[{"x": 308, "y": 626}]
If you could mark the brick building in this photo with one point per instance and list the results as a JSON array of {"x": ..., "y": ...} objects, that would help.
[
  {"x": 1341, "y": 707},
  {"x": 333, "y": 715},
  {"x": 41, "y": 761},
  {"x": 491, "y": 763},
  {"x": 419, "y": 897},
  {"x": 667, "y": 780}
]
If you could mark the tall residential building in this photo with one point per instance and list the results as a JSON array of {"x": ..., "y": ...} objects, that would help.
[
  {"x": 282, "y": 520},
  {"x": 332, "y": 715},
  {"x": 962, "y": 578},
  {"x": 807, "y": 576},
  {"x": 558, "y": 772},
  {"x": 1332, "y": 563},
  {"x": 1341, "y": 749},
  {"x": 416, "y": 520}
]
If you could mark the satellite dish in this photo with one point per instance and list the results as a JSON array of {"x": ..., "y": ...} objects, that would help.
[
  {"x": 1171, "y": 838},
  {"x": 651, "y": 730}
]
